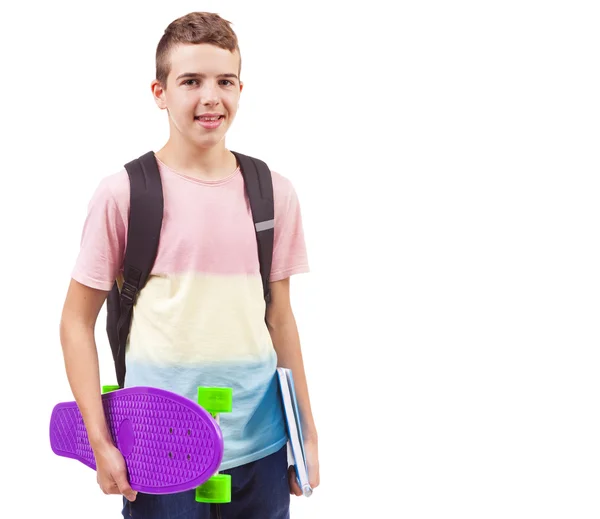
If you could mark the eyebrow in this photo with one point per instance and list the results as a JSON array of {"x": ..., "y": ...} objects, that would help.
[{"x": 196, "y": 74}]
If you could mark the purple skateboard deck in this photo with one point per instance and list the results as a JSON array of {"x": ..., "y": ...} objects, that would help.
[{"x": 169, "y": 443}]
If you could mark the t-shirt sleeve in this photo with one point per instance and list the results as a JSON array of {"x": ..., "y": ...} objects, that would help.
[
  {"x": 102, "y": 245},
  {"x": 289, "y": 247}
]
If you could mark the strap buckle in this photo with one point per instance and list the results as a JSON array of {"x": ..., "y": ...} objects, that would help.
[{"x": 129, "y": 293}]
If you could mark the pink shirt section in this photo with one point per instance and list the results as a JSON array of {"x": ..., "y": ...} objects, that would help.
[{"x": 207, "y": 229}]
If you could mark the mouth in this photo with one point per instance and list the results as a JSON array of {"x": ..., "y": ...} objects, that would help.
[{"x": 209, "y": 121}]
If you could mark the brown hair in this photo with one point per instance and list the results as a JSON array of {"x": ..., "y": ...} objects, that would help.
[{"x": 193, "y": 28}]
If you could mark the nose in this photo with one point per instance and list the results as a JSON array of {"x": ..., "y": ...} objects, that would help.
[{"x": 209, "y": 94}]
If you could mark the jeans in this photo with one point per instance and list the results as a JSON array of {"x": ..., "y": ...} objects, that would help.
[{"x": 259, "y": 490}]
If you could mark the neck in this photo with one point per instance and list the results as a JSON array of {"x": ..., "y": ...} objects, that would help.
[{"x": 203, "y": 163}]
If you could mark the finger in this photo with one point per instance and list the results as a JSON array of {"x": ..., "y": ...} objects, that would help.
[
  {"x": 314, "y": 481},
  {"x": 104, "y": 483},
  {"x": 124, "y": 487},
  {"x": 314, "y": 478},
  {"x": 113, "y": 489},
  {"x": 109, "y": 488},
  {"x": 294, "y": 487}
]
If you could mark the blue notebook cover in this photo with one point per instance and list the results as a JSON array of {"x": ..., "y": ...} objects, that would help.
[{"x": 294, "y": 427}]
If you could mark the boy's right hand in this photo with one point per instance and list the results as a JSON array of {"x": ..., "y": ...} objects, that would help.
[{"x": 112, "y": 472}]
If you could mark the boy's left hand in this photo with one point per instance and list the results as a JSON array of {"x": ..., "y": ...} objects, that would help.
[{"x": 311, "y": 451}]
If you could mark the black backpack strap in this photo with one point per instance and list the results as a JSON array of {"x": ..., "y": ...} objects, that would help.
[
  {"x": 259, "y": 186},
  {"x": 143, "y": 235}
]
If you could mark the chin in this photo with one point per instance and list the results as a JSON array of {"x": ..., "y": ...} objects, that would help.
[{"x": 208, "y": 142}]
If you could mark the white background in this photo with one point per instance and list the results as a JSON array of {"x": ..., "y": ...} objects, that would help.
[{"x": 446, "y": 159}]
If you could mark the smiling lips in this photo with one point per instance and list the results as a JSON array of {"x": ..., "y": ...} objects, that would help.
[{"x": 210, "y": 121}]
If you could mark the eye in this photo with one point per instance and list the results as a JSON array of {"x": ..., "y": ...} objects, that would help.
[
  {"x": 186, "y": 82},
  {"x": 227, "y": 81}
]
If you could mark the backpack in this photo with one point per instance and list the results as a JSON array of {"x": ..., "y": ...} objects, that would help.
[{"x": 143, "y": 236}]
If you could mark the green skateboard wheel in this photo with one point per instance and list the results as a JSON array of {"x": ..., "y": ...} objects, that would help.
[
  {"x": 216, "y": 490},
  {"x": 109, "y": 389},
  {"x": 215, "y": 399}
]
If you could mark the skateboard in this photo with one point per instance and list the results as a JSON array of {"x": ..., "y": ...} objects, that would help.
[{"x": 169, "y": 443}]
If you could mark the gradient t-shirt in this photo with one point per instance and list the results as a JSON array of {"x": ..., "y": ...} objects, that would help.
[{"x": 200, "y": 319}]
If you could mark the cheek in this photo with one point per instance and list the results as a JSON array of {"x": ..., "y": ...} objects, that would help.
[
  {"x": 231, "y": 103},
  {"x": 185, "y": 105}
]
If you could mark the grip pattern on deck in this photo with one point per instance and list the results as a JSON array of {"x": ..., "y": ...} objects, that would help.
[{"x": 172, "y": 445}]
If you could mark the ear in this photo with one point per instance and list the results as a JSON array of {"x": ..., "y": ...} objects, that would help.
[
  {"x": 158, "y": 93},
  {"x": 241, "y": 86}
]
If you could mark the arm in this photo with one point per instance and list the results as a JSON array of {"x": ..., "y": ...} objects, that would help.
[
  {"x": 80, "y": 312},
  {"x": 286, "y": 341}
]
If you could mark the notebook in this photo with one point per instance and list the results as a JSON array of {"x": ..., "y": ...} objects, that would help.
[{"x": 294, "y": 428}]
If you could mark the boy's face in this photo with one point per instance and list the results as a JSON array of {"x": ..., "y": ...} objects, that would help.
[{"x": 202, "y": 94}]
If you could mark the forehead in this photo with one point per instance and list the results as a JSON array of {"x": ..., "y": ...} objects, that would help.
[{"x": 203, "y": 58}]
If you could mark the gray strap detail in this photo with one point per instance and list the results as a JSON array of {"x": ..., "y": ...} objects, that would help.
[{"x": 265, "y": 226}]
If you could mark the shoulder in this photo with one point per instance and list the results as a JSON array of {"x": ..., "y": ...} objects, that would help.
[
  {"x": 112, "y": 189},
  {"x": 111, "y": 195},
  {"x": 283, "y": 188},
  {"x": 116, "y": 185},
  {"x": 280, "y": 182}
]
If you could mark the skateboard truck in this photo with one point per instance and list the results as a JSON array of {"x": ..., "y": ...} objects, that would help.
[{"x": 215, "y": 400}]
